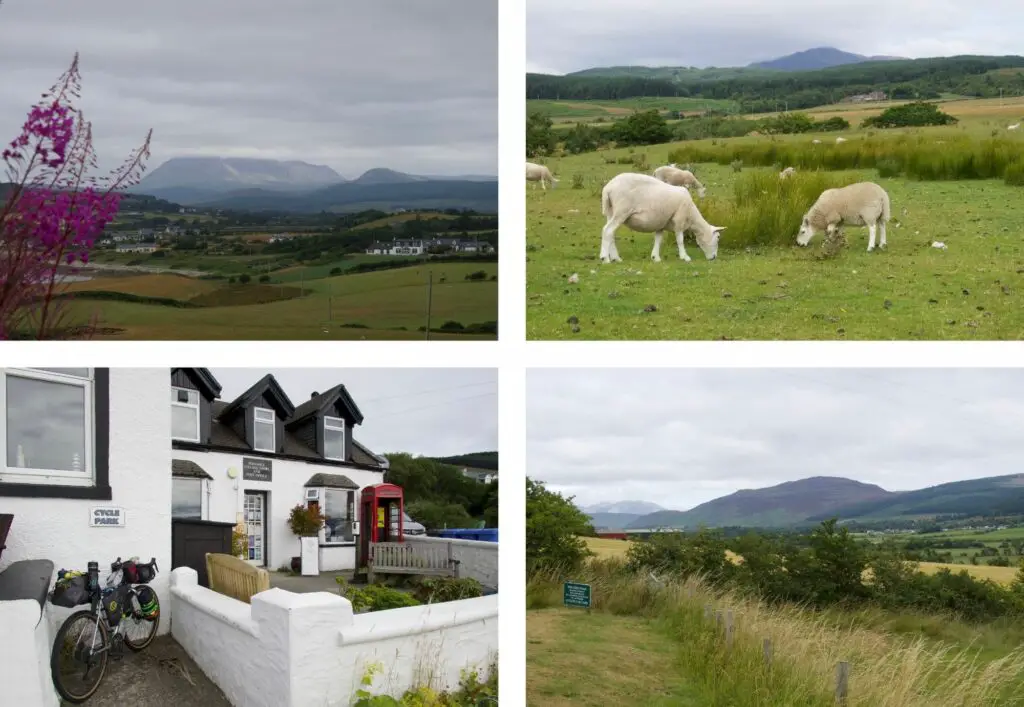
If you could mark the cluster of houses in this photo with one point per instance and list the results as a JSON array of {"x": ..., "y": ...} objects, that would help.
[
  {"x": 422, "y": 246},
  {"x": 867, "y": 97}
]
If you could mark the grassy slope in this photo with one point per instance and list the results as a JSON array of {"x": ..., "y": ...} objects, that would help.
[
  {"x": 382, "y": 300},
  {"x": 780, "y": 293}
]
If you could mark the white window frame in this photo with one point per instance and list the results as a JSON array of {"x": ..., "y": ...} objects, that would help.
[
  {"x": 189, "y": 406},
  {"x": 335, "y": 424},
  {"x": 353, "y": 506},
  {"x": 55, "y": 477},
  {"x": 273, "y": 428}
]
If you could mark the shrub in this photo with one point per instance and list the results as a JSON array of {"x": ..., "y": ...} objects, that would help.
[
  {"x": 244, "y": 278},
  {"x": 477, "y": 275},
  {"x": 264, "y": 278},
  {"x": 737, "y": 165},
  {"x": 888, "y": 168},
  {"x": 642, "y": 128},
  {"x": 835, "y": 123},
  {"x": 578, "y": 181},
  {"x": 640, "y": 163},
  {"x": 335, "y": 271},
  {"x": 553, "y": 527},
  {"x": 452, "y": 325},
  {"x": 917, "y": 114},
  {"x": 1014, "y": 174},
  {"x": 434, "y": 590},
  {"x": 377, "y": 597}
]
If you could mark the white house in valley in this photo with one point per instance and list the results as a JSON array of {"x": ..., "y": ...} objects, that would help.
[{"x": 252, "y": 459}]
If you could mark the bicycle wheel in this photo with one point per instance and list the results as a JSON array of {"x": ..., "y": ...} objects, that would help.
[
  {"x": 140, "y": 631},
  {"x": 75, "y": 665}
]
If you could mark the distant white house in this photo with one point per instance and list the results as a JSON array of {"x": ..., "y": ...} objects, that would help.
[
  {"x": 137, "y": 247},
  {"x": 484, "y": 476},
  {"x": 400, "y": 246}
]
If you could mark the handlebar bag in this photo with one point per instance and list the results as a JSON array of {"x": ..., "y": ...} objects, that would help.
[
  {"x": 145, "y": 572},
  {"x": 131, "y": 572}
]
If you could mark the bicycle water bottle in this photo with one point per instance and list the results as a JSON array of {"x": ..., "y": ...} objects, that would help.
[{"x": 94, "y": 576}]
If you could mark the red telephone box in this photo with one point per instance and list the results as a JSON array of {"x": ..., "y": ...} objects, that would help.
[{"x": 381, "y": 513}]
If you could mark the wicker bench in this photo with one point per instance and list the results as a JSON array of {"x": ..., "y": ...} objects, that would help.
[{"x": 235, "y": 578}]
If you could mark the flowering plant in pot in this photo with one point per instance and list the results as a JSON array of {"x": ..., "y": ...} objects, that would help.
[{"x": 304, "y": 522}]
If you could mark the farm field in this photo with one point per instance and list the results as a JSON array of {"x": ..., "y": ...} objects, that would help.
[
  {"x": 386, "y": 304},
  {"x": 971, "y": 290},
  {"x": 604, "y": 548},
  {"x": 575, "y": 111}
]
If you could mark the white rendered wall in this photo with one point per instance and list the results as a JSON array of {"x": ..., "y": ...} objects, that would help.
[
  {"x": 25, "y": 656},
  {"x": 478, "y": 559},
  {"x": 298, "y": 650}
]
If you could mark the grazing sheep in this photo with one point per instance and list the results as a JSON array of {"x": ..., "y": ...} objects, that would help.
[
  {"x": 540, "y": 173},
  {"x": 840, "y": 140},
  {"x": 786, "y": 173},
  {"x": 648, "y": 205},
  {"x": 816, "y": 141},
  {"x": 1013, "y": 127},
  {"x": 861, "y": 204},
  {"x": 680, "y": 178}
]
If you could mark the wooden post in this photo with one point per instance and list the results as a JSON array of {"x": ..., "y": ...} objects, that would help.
[
  {"x": 430, "y": 298},
  {"x": 728, "y": 630},
  {"x": 842, "y": 682},
  {"x": 767, "y": 648},
  {"x": 718, "y": 619}
]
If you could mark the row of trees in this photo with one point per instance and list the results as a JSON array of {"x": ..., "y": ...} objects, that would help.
[
  {"x": 438, "y": 495},
  {"x": 759, "y": 92}
]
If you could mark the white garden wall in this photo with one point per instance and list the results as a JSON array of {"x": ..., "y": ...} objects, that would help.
[
  {"x": 306, "y": 650},
  {"x": 477, "y": 559},
  {"x": 25, "y": 655},
  {"x": 57, "y": 529},
  {"x": 286, "y": 488}
]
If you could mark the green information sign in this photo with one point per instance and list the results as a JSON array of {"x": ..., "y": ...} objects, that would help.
[{"x": 574, "y": 594}]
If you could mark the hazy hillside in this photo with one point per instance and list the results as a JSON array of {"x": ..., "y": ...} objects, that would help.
[
  {"x": 612, "y": 521},
  {"x": 776, "y": 506},
  {"x": 817, "y": 58},
  {"x": 223, "y": 174},
  {"x": 996, "y": 495},
  {"x": 477, "y": 460},
  {"x": 637, "y": 508}
]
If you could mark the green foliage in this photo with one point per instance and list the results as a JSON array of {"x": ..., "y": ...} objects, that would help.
[
  {"x": 787, "y": 124},
  {"x": 702, "y": 554},
  {"x": 471, "y": 692},
  {"x": 377, "y": 597},
  {"x": 305, "y": 521},
  {"x": 429, "y": 480},
  {"x": 1014, "y": 174},
  {"x": 700, "y": 128},
  {"x": 961, "y": 157},
  {"x": 910, "y": 115},
  {"x": 579, "y": 181},
  {"x": 437, "y": 516},
  {"x": 540, "y": 139},
  {"x": 433, "y": 590},
  {"x": 553, "y": 527},
  {"x": 888, "y": 168},
  {"x": 642, "y": 128},
  {"x": 584, "y": 138},
  {"x": 244, "y": 278},
  {"x": 239, "y": 542},
  {"x": 835, "y": 123}
]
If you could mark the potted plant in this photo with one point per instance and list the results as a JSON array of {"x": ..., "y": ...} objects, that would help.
[{"x": 305, "y": 522}]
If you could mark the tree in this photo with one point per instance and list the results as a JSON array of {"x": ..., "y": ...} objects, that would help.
[
  {"x": 53, "y": 210},
  {"x": 540, "y": 139},
  {"x": 244, "y": 278},
  {"x": 553, "y": 527},
  {"x": 646, "y": 128},
  {"x": 918, "y": 114}
]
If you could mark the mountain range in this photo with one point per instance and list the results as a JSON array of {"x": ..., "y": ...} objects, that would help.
[
  {"x": 619, "y": 514},
  {"x": 273, "y": 185},
  {"x": 818, "y": 58},
  {"x": 818, "y": 498}
]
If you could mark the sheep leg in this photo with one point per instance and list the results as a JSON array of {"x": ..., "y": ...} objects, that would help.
[
  {"x": 872, "y": 230},
  {"x": 881, "y": 228},
  {"x": 656, "y": 253},
  {"x": 608, "y": 250},
  {"x": 682, "y": 248},
  {"x": 543, "y": 184}
]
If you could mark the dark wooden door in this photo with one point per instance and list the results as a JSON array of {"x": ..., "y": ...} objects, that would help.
[{"x": 192, "y": 539}]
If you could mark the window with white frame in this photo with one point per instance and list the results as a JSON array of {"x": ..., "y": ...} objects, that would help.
[
  {"x": 185, "y": 414},
  {"x": 334, "y": 438},
  {"x": 339, "y": 511},
  {"x": 48, "y": 431},
  {"x": 186, "y": 498},
  {"x": 263, "y": 432}
]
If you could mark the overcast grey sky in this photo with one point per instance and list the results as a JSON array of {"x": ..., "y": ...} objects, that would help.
[
  {"x": 570, "y": 35},
  {"x": 422, "y": 411},
  {"x": 403, "y": 84},
  {"x": 680, "y": 438}
]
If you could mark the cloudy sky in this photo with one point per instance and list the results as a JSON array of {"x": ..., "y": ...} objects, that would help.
[
  {"x": 682, "y": 437},
  {"x": 422, "y": 411},
  {"x": 569, "y": 35},
  {"x": 403, "y": 84}
]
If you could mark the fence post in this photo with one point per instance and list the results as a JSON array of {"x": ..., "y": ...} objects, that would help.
[
  {"x": 718, "y": 619},
  {"x": 728, "y": 631},
  {"x": 842, "y": 682},
  {"x": 767, "y": 648}
]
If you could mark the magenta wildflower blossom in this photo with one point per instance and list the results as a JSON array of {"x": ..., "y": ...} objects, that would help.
[{"x": 55, "y": 211}]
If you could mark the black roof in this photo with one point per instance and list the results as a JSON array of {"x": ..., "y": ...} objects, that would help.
[
  {"x": 188, "y": 469},
  {"x": 204, "y": 380},
  {"x": 334, "y": 481},
  {"x": 267, "y": 386},
  {"x": 322, "y": 401}
]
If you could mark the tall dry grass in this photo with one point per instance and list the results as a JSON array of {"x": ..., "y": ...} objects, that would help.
[
  {"x": 886, "y": 669},
  {"x": 915, "y": 155}
]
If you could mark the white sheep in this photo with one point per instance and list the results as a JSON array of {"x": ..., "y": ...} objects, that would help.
[
  {"x": 1013, "y": 127},
  {"x": 648, "y": 205},
  {"x": 816, "y": 141},
  {"x": 840, "y": 140},
  {"x": 540, "y": 173},
  {"x": 860, "y": 204},
  {"x": 786, "y": 173},
  {"x": 671, "y": 174}
]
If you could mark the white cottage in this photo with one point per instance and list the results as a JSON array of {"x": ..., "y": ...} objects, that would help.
[{"x": 252, "y": 459}]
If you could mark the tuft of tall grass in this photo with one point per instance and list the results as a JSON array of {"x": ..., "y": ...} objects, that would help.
[
  {"x": 918, "y": 156},
  {"x": 765, "y": 210},
  {"x": 887, "y": 670}
]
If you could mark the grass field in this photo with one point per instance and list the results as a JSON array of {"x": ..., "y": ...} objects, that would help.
[
  {"x": 911, "y": 291},
  {"x": 387, "y": 304},
  {"x": 654, "y": 645},
  {"x": 605, "y": 549},
  {"x": 589, "y": 111}
]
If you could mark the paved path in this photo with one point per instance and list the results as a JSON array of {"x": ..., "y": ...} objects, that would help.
[{"x": 324, "y": 582}]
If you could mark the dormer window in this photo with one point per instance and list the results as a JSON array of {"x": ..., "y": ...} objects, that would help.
[
  {"x": 334, "y": 438},
  {"x": 185, "y": 414},
  {"x": 263, "y": 430}
]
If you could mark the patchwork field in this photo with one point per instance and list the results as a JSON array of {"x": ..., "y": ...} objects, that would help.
[
  {"x": 969, "y": 290},
  {"x": 302, "y": 305}
]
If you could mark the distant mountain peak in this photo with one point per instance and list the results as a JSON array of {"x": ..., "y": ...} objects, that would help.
[
  {"x": 383, "y": 175},
  {"x": 630, "y": 507},
  {"x": 818, "y": 58},
  {"x": 224, "y": 174}
]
